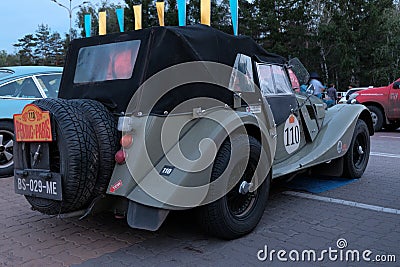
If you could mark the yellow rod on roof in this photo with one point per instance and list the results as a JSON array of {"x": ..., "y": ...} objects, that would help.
[
  {"x": 160, "y": 11},
  {"x": 137, "y": 9},
  {"x": 205, "y": 12},
  {"x": 102, "y": 23}
]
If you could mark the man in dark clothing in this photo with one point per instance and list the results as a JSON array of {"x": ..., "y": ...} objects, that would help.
[{"x": 332, "y": 93}]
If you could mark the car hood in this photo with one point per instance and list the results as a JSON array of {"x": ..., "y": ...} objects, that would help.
[
  {"x": 9, "y": 107},
  {"x": 373, "y": 91}
]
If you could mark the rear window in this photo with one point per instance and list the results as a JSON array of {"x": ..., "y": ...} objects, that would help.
[{"x": 106, "y": 62}]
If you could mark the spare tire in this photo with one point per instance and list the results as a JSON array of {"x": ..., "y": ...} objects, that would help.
[
  {"x": 106, "y": 131},
  {"x": 74, "y": 154}
]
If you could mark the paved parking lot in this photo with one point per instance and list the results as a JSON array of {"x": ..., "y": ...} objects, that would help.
[{"x": 362, "y": 215}]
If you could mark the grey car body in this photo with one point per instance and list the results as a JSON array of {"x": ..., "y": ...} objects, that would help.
[{"x": 214, "y": 106}]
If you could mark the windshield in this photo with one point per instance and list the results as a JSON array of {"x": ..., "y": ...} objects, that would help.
[
  {"x": 106, "y": 62},
  {"x": 299, "y": 70}
]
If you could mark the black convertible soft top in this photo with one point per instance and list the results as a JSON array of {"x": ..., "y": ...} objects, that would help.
[{"x": 160, "y": 48}]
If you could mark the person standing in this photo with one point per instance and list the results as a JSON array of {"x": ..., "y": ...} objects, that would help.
[
  {"x": 332, "y": 93},
  {"x": 318, "y": 87}
]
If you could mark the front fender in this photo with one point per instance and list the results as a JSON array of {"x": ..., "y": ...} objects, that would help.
[{"x": 331, "y": 142}]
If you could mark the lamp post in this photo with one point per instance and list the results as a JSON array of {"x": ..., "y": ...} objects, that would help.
[{"x": 70, "y": 9}]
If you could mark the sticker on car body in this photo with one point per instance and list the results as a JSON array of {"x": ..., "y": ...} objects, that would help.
[
  {"x": 167, "y": 170},
  {"x": 116, "y": 186},
  {"x": 255, "y": 109},
  {"x": 291, "y": 134}
]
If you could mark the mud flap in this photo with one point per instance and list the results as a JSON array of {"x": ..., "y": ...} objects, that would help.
[{"x": 145, "y": 217}]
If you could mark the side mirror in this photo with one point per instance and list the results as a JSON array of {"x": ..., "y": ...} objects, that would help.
[{"x": 396, "y": 85}]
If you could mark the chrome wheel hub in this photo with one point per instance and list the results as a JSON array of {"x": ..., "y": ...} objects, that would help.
[
  {"x": 374, "y": 118},
  {"x": 360, "y": 150},
  {"x": 244, "y": 187},
  {"x": 6, "y": 149}
]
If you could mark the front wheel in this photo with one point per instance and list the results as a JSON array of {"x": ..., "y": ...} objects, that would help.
[
  {"x": 357, "y": 156},
  {"x": 238, "y": 212},
  {"x": 377, "y": 117},
  {"x": 6, "y": 148}
]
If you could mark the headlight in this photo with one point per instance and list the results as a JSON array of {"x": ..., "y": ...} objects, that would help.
[{"x": 353, "y": 96}]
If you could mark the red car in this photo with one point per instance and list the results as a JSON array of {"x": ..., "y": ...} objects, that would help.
[{"x": 384, "y": 104}]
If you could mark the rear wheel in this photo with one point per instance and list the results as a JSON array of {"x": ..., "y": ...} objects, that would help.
[
  {"x": 239, "y": 211},
  {"x": 377, "y": 117},
  {"x": 74, "y": 154},
  {"x": 357, "y": 156},
  {"x": 6, "y": 148}
]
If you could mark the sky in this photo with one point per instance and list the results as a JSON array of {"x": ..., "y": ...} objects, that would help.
[{"x": 21, "y": 17}]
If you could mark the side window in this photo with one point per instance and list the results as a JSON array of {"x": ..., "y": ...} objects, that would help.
[
  {"x": 50, "y": 84},
  {"x": 9, "y": 89},
  {"x": 273, "y": 80},
  {"x": 266, "y": 80},
  {"x": 282, "y": 83},
  {"x": 242, "y": 75},
  {"x": 20, "y": 88}
]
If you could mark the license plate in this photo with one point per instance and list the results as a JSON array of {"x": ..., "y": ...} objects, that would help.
[
  {"x": 32, "y": 125},
  {"x": 38, "y": 183}
]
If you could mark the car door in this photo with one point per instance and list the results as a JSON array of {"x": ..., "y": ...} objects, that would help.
[
  {"x": 394, "y": 101},
  {"x": 276, "y": 88},
  {"x": 312, "y": 111}
]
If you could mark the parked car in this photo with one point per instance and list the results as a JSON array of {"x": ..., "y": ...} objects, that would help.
[
  {"x": 173, "y": 118},
  {"x": 384, "y": 104},
  {"x": 20, "y": 86},
  {"x": 345, "y": 98}
]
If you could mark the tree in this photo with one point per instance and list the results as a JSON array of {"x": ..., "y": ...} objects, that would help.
[
  {"x": 171, "y": 12},
  {"x": 42, "y": 51},
  {"x": 26, "y": 46},
  {"x": 8, "y": 59},
  {"x": 57, "y": 45},
  {"x": 42, "y": 48}
]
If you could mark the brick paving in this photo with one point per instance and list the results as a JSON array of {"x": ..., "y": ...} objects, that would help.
[
  {"x": 28, "y": 238},
  {"x": 33, "y": 239}
]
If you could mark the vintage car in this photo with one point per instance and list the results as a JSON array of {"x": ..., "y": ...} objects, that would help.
[
  {"x": 19, "y": 86},
  {"x": 175, "y": 118}
]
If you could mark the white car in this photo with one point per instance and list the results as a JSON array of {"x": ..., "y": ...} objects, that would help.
[{"x": 346, "y": 97}]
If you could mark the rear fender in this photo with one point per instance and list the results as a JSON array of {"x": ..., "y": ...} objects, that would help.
[{"x": 200, "y": 136}]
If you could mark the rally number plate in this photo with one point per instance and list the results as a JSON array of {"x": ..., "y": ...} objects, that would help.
[
  {"x": 32, "y": 125},
  {"x": 38, "y": 183}
]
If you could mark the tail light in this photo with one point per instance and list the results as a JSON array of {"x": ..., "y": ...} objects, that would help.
[
  {"x": 120, "y": 157},
  {"x": 126, "y": 140}
]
